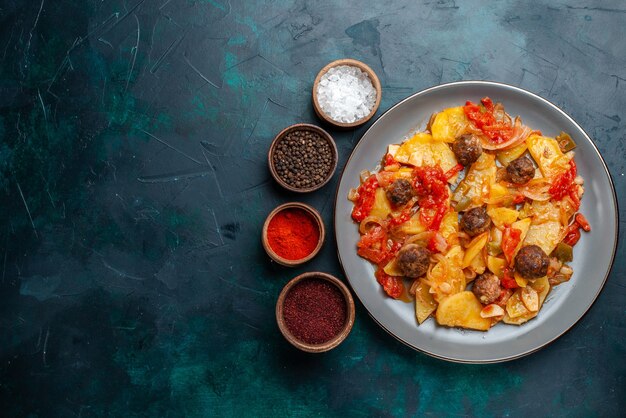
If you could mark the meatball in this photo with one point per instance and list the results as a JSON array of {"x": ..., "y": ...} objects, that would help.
[
  {"x": 400, "y": 192},
  {"x": 521, "y": 170},
  {"x": 475, "y": 221},
  {"x": 487, "y": 288},
  {"x": 531, "y": 262},
  {"x": 413, "y": 260},
  {"x": 467, "y": 149}
]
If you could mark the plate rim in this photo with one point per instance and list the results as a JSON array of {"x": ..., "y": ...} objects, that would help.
[{"x": 606, "y": 171}]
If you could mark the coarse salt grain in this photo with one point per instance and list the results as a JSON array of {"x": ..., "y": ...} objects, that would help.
[{"x": 346, "y": 94}]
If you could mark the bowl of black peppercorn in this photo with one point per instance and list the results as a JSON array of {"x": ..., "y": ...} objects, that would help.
[{"x": 302, "y": 158}]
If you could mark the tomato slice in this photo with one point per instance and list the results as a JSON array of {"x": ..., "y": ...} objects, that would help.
[
  {"x": 572, "y": 235},
  {"x": 508, "y": 281},
  {"x": 511, "y": 237},
  {"x": 392, "y": 285},
  {"x": 372, "y": 245}
]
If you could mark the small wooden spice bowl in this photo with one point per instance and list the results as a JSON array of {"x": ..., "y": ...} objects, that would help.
[
  {"x": 333, "y": 342},
  {"x": 315, "y": 215},
  {"x": 302, "y": 127},
  {"x": 354, "y": 63}
]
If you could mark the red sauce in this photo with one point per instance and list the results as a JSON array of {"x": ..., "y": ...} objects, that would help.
[
  {"x": 431, "y": 187},
  {"x": 564, "y": 185},
  {"x": 365, "y": 200},
  {"x": 484, "y": 119},
  {"x": 392, "y": 285},
  {"x": 508, "y": 281}
]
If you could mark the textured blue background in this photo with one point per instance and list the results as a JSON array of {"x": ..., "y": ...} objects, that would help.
[{"x": 133, "y": 186}]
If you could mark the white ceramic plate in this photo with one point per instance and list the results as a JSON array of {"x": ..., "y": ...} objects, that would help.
[{"x": 565, "y": 305}]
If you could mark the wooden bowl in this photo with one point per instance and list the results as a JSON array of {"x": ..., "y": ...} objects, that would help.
[
  {"x": 318, "y": 220},
  {"x": 354, "y": 63},
  {"x": 302, "y": 127},
  {"x": 328, "y": 345}
]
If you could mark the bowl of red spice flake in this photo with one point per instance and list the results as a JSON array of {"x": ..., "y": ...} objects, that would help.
[
  {"x": 293, "y": 234},
  {"x": 315, "y": 312}
]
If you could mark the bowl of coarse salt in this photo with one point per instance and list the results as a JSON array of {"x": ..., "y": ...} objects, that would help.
[{"x": 346, "y": 93}]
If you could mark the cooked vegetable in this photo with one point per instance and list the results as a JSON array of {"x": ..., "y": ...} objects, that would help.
[
  {"x": 548, "y": 155},
  {"x": 563, "y": 252},
  {"x": 382, "y": 206},
  {"x": 475, "y": 186},
  {"x": 516, "y": 312},
  {"x": 423, "y": 151},
  {"x": 475, "y": 251},
  {"x": 492, "y": 311},
  {"x": 502, "y": 216},
  {"x": 425, "y": 305},
  {"x": 449, "y": 124},
  {"x": 566, "y": 143},
  {"x": 546, "y": 235},
  {"x": 496, "y": 265},
  {"x": 462, "y": 310},
  {"x": 474, "y": 248},
  {"x": 508, "y": 155}
]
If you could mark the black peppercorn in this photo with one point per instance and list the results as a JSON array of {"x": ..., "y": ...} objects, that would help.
[{"x": 303, "y": 159}]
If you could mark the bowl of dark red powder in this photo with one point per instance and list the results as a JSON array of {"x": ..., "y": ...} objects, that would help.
[
  {"x": 315, "y": 312},
  {"x": 302, "y": 158},
  {"x": 293, "y": 234}
]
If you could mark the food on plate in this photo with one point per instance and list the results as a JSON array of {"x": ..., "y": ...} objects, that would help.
[
  {"x": 467, "y": 149},
  {"x": 475, "y": 221},
  {"x": 521, "y": 170},
  {"x": 531, "y": 262},
  {"x": 487, "y": 288},
  {"x": 413, "y": 260},
  {"x": 475, "y": 218}
]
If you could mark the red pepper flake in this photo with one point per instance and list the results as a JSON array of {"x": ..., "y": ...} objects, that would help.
[
  {"x": 365, "y": 200},
  {"x": 315, "y": 311},
  {"x": 293, "y": 233},
  {"x": 484, "y": 119}
]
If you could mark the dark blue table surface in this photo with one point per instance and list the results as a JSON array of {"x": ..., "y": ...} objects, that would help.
[{"x": 134, "y": 183}]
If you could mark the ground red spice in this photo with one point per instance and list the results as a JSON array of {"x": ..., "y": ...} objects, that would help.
[
  {"x": 315, "y": 311},
  {"x": 293, "y": 233}
]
